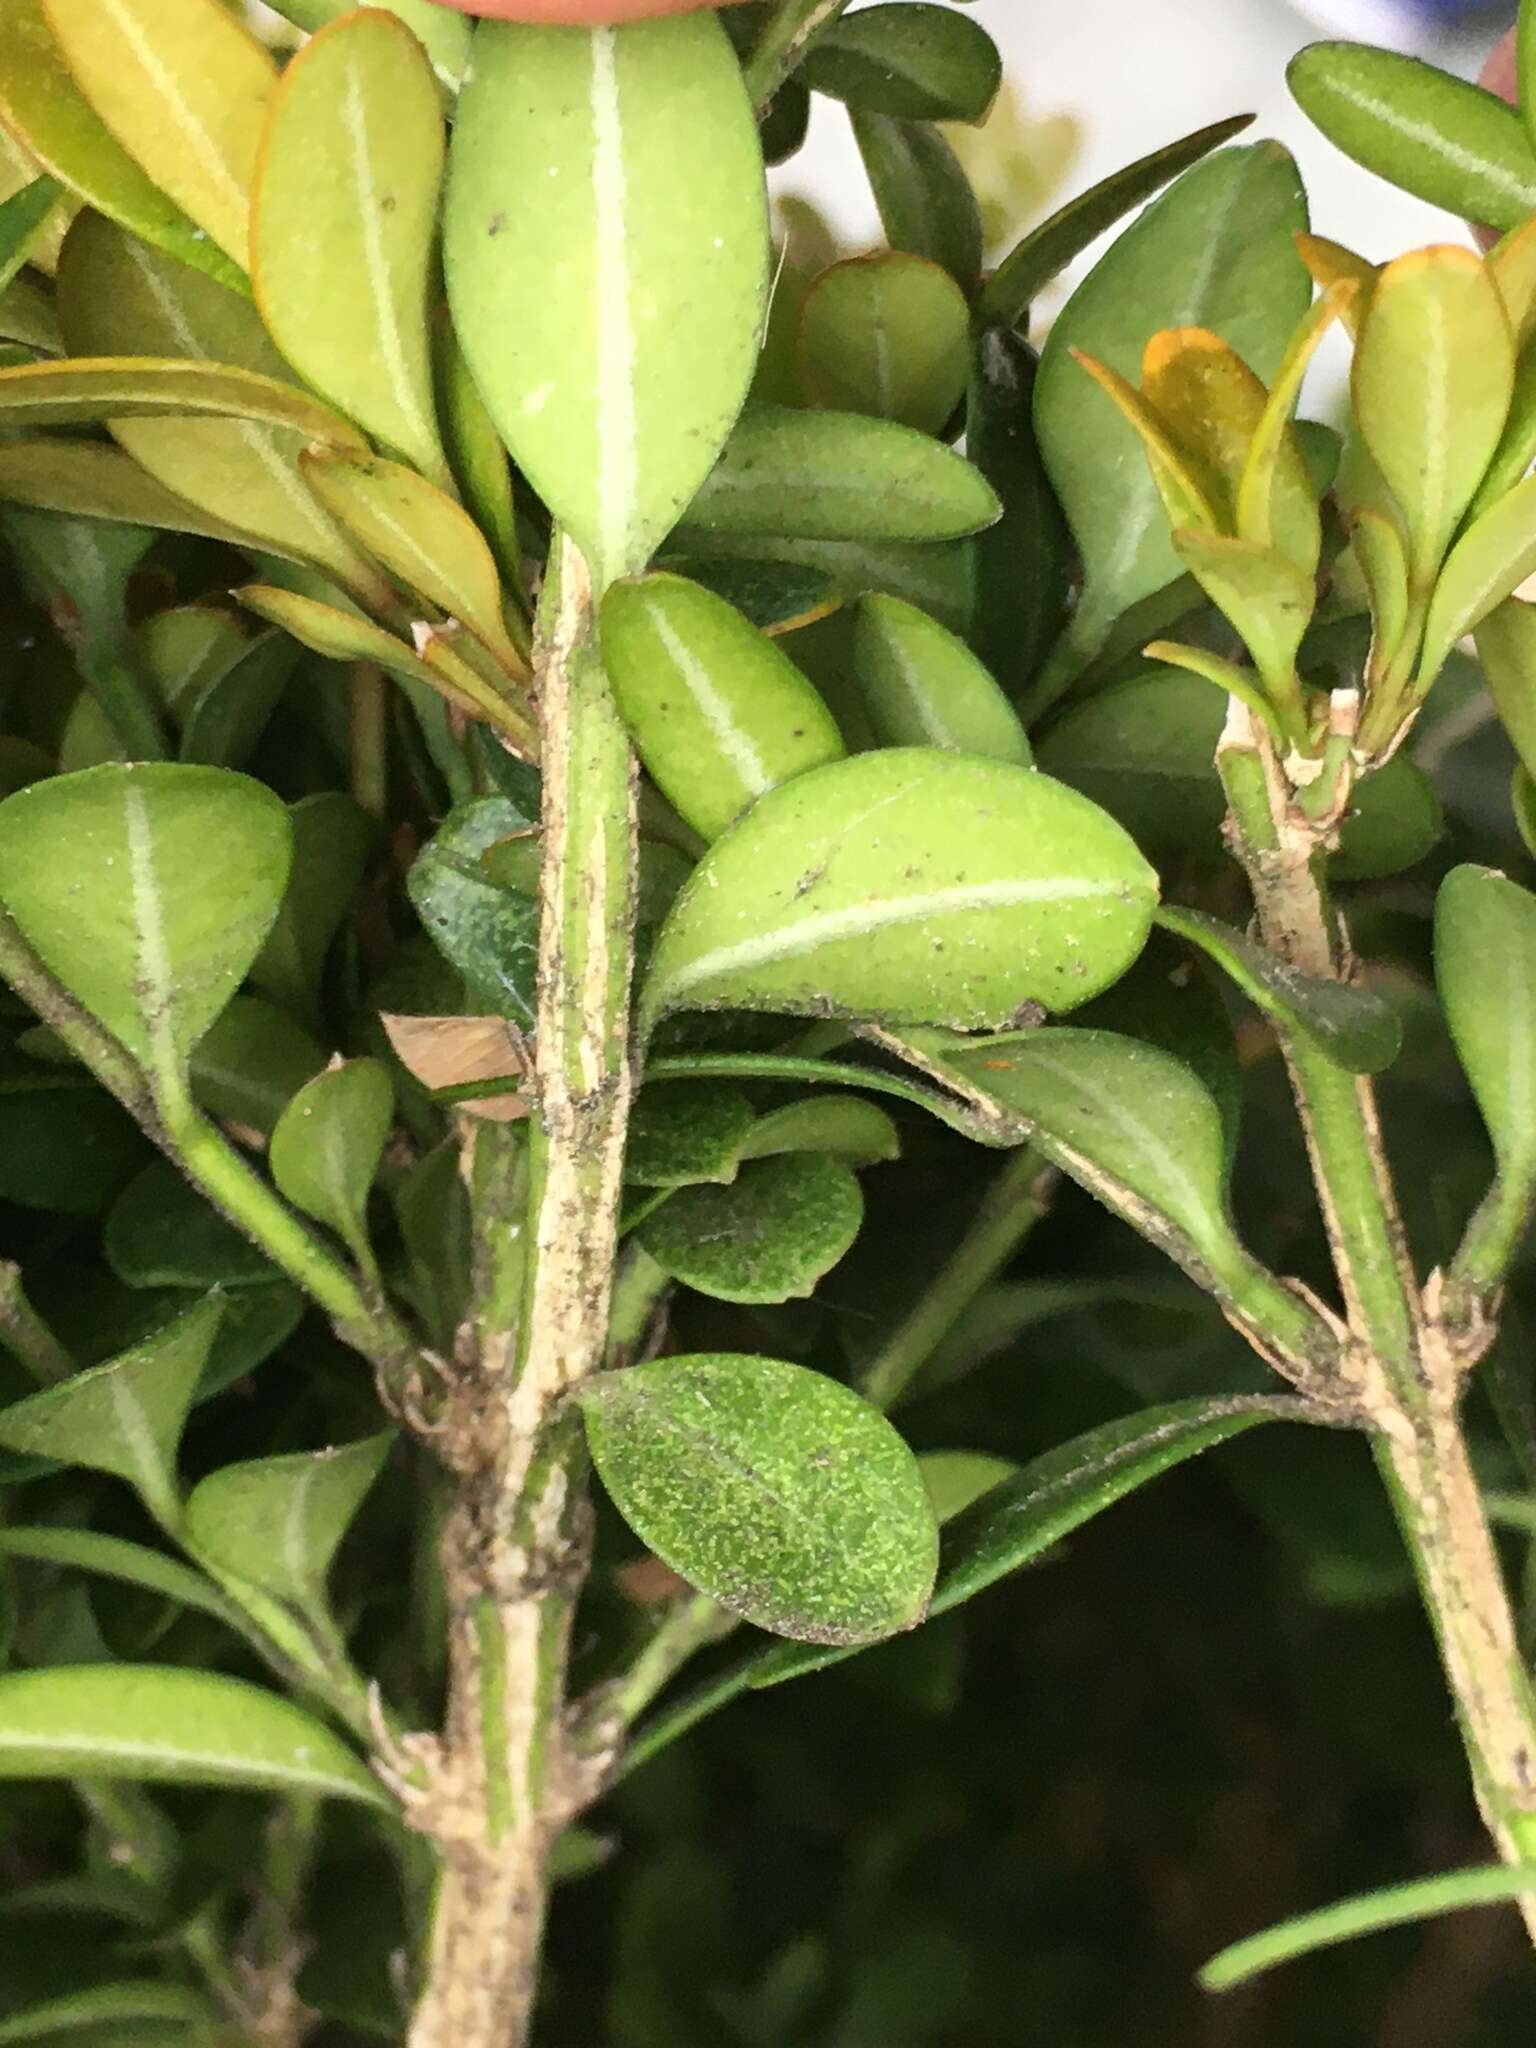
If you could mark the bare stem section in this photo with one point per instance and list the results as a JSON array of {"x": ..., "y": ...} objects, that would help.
[
  {"x": 505, "y": 1778},
  {"x": 1407, "y": 1363}
]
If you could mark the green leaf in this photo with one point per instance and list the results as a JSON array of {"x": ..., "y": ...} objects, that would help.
[
  {"x": 1434, "y": 370},
  {"x": 1055, "y": 1494},
  {"x": 65, "y": 1147},
  {"x": 938, "y": 575},
  {"x": 906, "y": 885},
  {"x": 344, "y": 223},
  {"x": 776, "y": 597},
  {"x": 956, "y": 1480},
  {"x": 1398, "y": 1905},
  {"x": 717, "y": 713},
  {"x": 105, "y": 2004},
  {"x": 1493, "y": 557},
  {"x": 118, "y": 298},
  {"x": 838, "y": 476},
  {"x": 157, "y": 1725},
  {"x": 1129, "y": 1122},
  {"x": 131, "y": 1564},
  {"x": 845, "y": 1125},
  {"x": 336, "y": 634},
  {"x": 488, "y": 931},
  {"x": 251, "y": 1061},
  {"x": 125, "y": 1417},
  {"x": 886, "y": 335},
  {"x": 328, "y": 1143},
  {"x": 443, "y": 35},
  {"x": 162, "y": 1232},
  {"x": 1443, "y": 140},
  {"x": 276, "y": 1523},
  {"x": 223, "y": 727},
  {"x": 1046, "y": 251},
  {"x": 775, "y": 1490},
  {"x": 184, "y": 86},
  {"x": 925, "y": 200},
  {"x": 332, "y": 839},
  {"x": 923, "y": 687},
  {"x": 187, "y": 647},
  {"x": 1355, "y": 1028},
  {"x": 89, "y": 391},
  {"x": 612, "y": 327},
  {"x": 1006, "y": 1529},
  {"x": 187, "y": 868},
  {"x": 919, "y": 62},
  {"x": 1485, "y": 968},
  {"x": 1396, "y": 820},
  {"x": 89, "y": 480},
  {"x": 46, "y": 111},
  {"x": 22, "y": 219},
  {"x": 1024, "y": 564},
  {"x": 1216, "y": 251},
  {"x": 682, "y": 1132},
  {"x": 771, "y": 1235},
  {"x": 423, "y": 537},
  {"x": 1506, "y": 646}
]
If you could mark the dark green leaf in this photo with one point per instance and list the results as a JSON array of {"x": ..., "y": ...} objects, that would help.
[
  {"x": 844, "y": 1125},
  {"x": 112, "y": 1557},
  {"x": 161, "y": 1232},
  {"x": 919, "y": 62},
  {"x": 1358, "y": 1030},
  {"x": 687, "y": 1131},
  {"x": 1216, "y": 251},
  {"x": 1046, "y": 251},
  {"x": 225, "y": 722},
  {"x": 332, "y": 838},
  {"x": 1024, "y": 563},
  {"x": 1396, "y": 820},
  {"x": 489, "y": 932},
  {"x": 65, "y": 1145},
  {"x": 925, "y": 199},
  {"x": 888, "y": 336},
  {"x": 103, "y": 2006},
  {"x": 776, "y": 1490},
  {"x": 22, "y": 219},
  {"x": 251, "y": 1062},
  {"x": 161, "y": 1725},
  {"x": 125, "y": 1417},
  {"x": 769, "y": 1236},
  {"x": 1485, "y": 967},
  {"x": 838, "y": 477}
]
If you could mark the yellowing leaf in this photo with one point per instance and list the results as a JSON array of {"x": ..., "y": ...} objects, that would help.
[
  {"x": 119, "y": 298},
  {"x": 611, "y": 323},
  {"x": 1189, "y": 494},
  {"x": 1330, "y": 263},
  {"x": 1513, "y": 264},
  {"x": 46, "y": 111},
  {"x": 344, "y": 224},
  {"x": 184, "y": 87}
]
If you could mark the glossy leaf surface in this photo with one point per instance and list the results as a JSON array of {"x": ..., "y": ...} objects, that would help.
[
  {"x": 187, "y": 868},
  {"x": 919, "y": 62},
  {"x": 923, "y": 687},
  {"x": 1436, "y": 136},
  {"x": 44, "y": 106},
  {"x": 887, "y": 335},
  {"x": 925, "y": 200},
  {"x": 490, "y": 931},
  {"x": 612, "y": 328},
  {"x": 839, "y": 476},
  {"x": 770, "y": 1235},
  {"x": 907, "y": 885},
  {"x": 772, "y": 1488},
  {"x": 157, "y": 1724},
  {"x": 1216, "y": 251},
  {"x": 718, "y": 714},
  {"x": 344, "y": 226},
  {"x": 184, "y": 86}
]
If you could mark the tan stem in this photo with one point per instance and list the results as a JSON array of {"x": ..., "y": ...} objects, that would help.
[{"x": 505, "y": 1777}]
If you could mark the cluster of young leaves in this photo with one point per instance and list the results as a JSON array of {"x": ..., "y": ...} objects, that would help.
[{"x": 278, "y": 904}]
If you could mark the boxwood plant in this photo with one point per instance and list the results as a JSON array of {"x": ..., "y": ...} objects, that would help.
[{"x": 547, "y": 742}]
